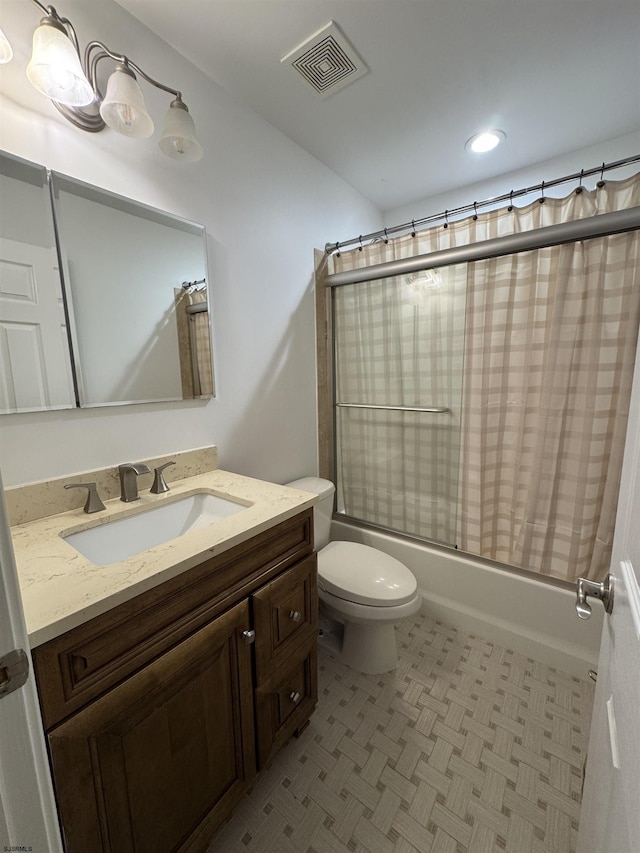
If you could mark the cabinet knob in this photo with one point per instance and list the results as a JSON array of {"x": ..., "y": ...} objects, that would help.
[
  {"x": 249, "y": 637},
  {"x": 294, "y": 615},
  {"x": 295, "y": 697}
]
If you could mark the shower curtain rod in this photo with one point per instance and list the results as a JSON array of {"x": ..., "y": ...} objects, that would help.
[
  {"x": 600, "y": 225},
  {"x": 473, "y": 207}
]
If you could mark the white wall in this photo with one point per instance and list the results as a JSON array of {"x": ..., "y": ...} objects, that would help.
[
  {"x": 265, "y": 203},
  {"x": 609, "y": 151}
]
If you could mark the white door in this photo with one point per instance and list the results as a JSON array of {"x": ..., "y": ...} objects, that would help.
[
  {"x": 610, "y": 814},
  {"x": 27, "y": 810},
  {"x": 35, "y": 368}
]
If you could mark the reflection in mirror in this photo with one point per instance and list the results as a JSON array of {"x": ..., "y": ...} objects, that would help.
[
  {"x": 35, "y": 367},
  {"x": 131, "y": 274}
]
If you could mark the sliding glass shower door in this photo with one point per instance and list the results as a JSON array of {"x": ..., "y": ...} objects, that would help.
[{"x": 399, "y": 348}]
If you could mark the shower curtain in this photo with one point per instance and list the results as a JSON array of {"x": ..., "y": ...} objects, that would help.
[
  {"x": 200, "y": 343},
  {"x": 549, "y": 347}
]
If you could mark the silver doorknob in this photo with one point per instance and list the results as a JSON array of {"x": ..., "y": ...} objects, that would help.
[
  {"x": 603, "y": 591},
  {"x": 294, "y": 615},
  {"x": 295, "y": 697}
]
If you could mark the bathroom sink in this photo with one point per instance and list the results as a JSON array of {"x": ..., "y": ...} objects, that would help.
[{"x": 123, "y": 537}]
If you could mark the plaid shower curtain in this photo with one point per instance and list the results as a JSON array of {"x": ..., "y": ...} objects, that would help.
[{"x": 533, "y": 355}]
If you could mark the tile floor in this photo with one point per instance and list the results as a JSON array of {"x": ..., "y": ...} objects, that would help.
[{"x": 467, "y": 747}]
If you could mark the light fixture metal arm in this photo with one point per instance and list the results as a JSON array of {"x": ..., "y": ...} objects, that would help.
[
  {"x": 103, "y": 52},
  {"x": 48, "y": 10},
  {"x": 51, "y": 12}
]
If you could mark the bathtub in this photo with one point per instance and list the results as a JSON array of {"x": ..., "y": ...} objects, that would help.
[{"x": 536, "y": 618}]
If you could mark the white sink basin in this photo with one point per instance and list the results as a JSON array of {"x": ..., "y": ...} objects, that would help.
[{"x": 116, "y": 540}]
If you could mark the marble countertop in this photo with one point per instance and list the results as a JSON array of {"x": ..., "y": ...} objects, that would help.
[{"x": 61, "y": 589}]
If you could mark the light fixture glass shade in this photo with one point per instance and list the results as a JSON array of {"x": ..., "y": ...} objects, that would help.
[
  {"x": 55, "y": 69},
  {"x": 6, "y": 52},
  {"x": 178, "y": 139},
  {"x": 123, "y": 108}
]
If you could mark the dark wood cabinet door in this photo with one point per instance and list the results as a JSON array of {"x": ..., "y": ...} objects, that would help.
[
  {"x": 157, "y": 763},
  {"x": 285, "y": 614},
  {"x": 285, "y": 701}
]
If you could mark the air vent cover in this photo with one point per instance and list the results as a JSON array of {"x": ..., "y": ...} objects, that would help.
[{"x": 326, "y": 61}]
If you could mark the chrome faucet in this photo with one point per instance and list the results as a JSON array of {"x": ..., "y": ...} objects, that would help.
[{"x": 129, "y": 472}]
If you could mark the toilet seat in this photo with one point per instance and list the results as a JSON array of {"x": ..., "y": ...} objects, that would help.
[{"x": 364, "y": 575}]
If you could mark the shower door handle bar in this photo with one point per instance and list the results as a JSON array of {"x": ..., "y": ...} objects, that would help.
[{"x": 436, "y": 410}]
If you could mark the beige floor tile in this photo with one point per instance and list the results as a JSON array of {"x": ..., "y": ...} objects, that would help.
[{"x": 467, "y": 747}]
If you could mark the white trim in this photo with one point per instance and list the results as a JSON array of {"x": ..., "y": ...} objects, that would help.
[{"x": 28, "y": 816}]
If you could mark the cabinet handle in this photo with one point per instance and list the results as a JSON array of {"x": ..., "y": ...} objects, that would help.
[
  {"x": 249, "y": 637},
  {"x": 294, "y": 615},
  {"x": 295, "y": 697}
]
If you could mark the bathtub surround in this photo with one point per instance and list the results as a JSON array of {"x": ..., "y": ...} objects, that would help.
[
  {"x": 38, "y": 500},
  {"x": 466, "y": 746}
]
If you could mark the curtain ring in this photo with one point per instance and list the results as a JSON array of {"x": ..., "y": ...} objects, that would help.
[
  {"x": 510, "y": 208},
  {"x": 601, "y": 182},
  {"x": 579, "y": 187},
  {"x": 360, "y": 239},
  {"x": 542, "y": 198},
  {"x": 446, "y": 219},
  {"x": 386, "y": 236},
  {"x": 475, "y": 211},
  {"x": 413, "y": 226},
  {"x": 337, "y": 249}
]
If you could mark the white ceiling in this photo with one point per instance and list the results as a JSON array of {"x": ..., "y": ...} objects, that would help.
[{"x": 555, "y": 75}]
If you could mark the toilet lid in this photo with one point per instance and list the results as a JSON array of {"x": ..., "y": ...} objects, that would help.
[{"x": 364, "y": 575}]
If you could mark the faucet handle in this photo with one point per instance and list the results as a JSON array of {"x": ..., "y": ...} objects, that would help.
[
  {"x": 93, "y": 503},
  {"x": 159, "y": 483}
]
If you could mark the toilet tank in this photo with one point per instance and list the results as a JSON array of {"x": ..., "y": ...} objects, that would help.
[{"x": 323, "y": 509}]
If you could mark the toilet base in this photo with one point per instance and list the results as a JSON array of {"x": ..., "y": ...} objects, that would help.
[
  {"x": 362, "y": 637},
  {"x": 369, "y": 648},
  {"x": 330, "y": 633}
]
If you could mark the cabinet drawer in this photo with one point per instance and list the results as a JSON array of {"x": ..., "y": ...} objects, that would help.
[
  {"x": 285, "y": 701},
  {"x": 82, "y": 664},
  {"x": 285, "y": 614}
]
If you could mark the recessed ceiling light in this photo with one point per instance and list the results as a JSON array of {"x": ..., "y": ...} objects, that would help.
[{"x": 485, "y": 141}]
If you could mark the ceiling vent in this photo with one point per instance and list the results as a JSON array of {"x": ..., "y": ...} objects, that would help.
[{"x": 326, "y": 61}]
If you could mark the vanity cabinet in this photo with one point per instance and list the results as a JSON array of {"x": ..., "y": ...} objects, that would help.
[{"x": 160, "y": 712}]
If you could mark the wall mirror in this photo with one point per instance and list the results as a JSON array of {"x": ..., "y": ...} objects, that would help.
[
  {"x": 35, "y": 362},
  {"x": 132, "y": 310}
]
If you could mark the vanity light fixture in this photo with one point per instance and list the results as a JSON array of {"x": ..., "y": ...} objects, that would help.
[
  {"x": 58, "y": 71},
  {"x": 485, "y": 141}
]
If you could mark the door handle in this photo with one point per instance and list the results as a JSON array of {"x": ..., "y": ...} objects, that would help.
[{"x": 586, "y": 588}]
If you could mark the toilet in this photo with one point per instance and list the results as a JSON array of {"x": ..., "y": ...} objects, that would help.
[{"x": 363, "y": 592}]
